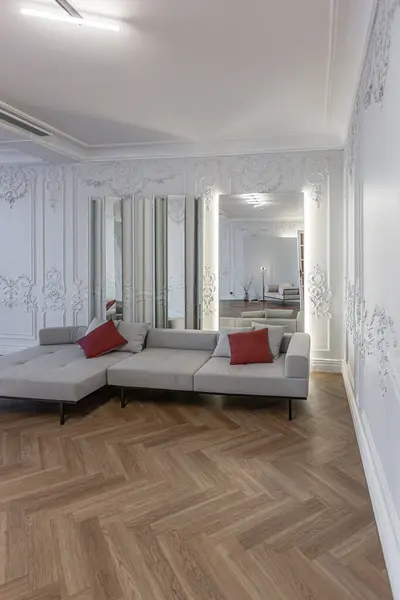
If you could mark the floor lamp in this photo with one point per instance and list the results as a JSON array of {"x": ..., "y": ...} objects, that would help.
[{"x": 262, "y": 269}]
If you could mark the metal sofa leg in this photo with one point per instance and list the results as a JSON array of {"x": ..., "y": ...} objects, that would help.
[
  {"x": 290, "y": 409},
  {"x": 62, "y": 413},
  {"x": 123, "y": 398}
]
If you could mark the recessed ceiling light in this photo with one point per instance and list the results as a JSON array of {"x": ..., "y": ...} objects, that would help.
[{"x": 41, "y": 14}]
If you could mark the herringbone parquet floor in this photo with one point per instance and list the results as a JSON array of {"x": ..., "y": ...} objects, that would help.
[{"x": 183, "y": 500}]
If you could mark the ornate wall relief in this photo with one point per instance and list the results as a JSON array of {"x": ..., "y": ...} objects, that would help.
[
  {"x": 79, "y": 296},
  {"x": 208, "y": 196},
  {"x": 352, "y": 142},
  {"x": 53, "y": 291},
  {"x": 372, "y": 335},
  {"x": 11, "y": 289},
  {"x": 319, "y": 293},
  {"x": 260, "y": 173},
  {"x": 55, "y": 180},
  {"x": 13, "y": 184},
  {"x": 126, "y": 178},
  {"x": 378, "y": 54},
  {"x": 316, "y": 169},
  {"x": 209, "y": 290},
  {"x": 176, "y": 210}
]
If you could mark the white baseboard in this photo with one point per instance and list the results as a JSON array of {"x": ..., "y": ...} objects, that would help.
[
  {"x": 326, "y": 365},
  {"x": 386, "y": 516}
]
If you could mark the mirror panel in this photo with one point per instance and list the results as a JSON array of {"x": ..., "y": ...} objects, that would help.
[
  {"x": 169, "y": 262},
  {"x": 113, "y": 258},
  {"x": 176, "y": 262},
  {"x": 261, "y": 255},
  {"x": 139, "y": 260},
  {"x": 97, "y": 270},
  {"x": 106, "y": 258},
  {"x": 160, "y": 262}
]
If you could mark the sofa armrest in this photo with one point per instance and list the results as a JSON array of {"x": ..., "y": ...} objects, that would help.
[
  {"x": 53, "y": 336},
  {"x": 300, "y": 321},
  {"x": 297, "y": 361}
]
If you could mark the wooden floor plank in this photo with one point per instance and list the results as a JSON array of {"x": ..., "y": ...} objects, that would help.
[{"x": 188, "y": 498}]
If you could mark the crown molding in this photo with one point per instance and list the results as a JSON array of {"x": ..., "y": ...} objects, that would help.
[
  {"x": 228, "y": 147},
  {"x": 62, "y": 148},
  {"x": 63, "y": 151}
]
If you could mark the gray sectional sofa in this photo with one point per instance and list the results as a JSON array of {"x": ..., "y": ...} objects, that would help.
[{"x": 58, "y": 371}]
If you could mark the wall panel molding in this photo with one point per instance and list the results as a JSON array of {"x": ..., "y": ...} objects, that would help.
[
  {"x": 60, "y": 226},
  {"x": 372, "y": 316}
]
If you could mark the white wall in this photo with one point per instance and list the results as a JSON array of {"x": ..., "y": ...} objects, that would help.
[
  {"x": 372, "y": 185},
  {"x": 245, "y": 246},
  {"x": 45, "y": 235}
]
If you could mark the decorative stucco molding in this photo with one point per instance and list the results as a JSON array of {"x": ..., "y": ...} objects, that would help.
[
  {"x": 260, "y": 173},
  {"x": 11, "y": 288},
  {"x": 14, "y": 183},
  {"x": 319, "y": 293},
  {"x": 79, "y": 296},
  {"x": 209, "y": 291},
  {"x": 352, "y": 141},
  {"x": 208, "y": 196},
  {"x": 176, "y": 210},
  {"x": 316, "y": 169},
  {"x": 379, "y": 337},
  {"x": 53, "y": 291},
  {"x": 372, "y": 335},
  {"x": 126, "y": 178},
  {"x": 55, "y": 180},
  {"x": 378, "y": 54}
]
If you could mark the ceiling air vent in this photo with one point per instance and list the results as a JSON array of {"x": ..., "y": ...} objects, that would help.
[{"x": 14, "y": 119}]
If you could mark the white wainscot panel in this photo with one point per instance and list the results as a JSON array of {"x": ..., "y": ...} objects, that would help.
[{"x": 18, "y": 293}]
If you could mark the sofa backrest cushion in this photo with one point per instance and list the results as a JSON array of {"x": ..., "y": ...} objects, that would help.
[
  {"x": 223, "y": 349},
  {"x": 285, "y": 342},
  {"x": 182, "y": 339},
  {"x": 275, "y": 335},
  {"x": 279, "y": 313},
  {"x": 53, "y": 336},
  {"x": 135, "y": 333},
  {"x": 256, "y": 314},
  {"x": 290, "y": 324}
]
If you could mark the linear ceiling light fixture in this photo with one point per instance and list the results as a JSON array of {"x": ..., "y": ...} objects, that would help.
[
  {"x": 256, "y": 200},
  {"x": 72, "y": 17}
]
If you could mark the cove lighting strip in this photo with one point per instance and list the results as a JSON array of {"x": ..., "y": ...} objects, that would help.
[{"x": 41, "y": 14}]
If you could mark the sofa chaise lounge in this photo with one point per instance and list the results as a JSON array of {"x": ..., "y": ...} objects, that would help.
[{"x": 58, "y": 371}]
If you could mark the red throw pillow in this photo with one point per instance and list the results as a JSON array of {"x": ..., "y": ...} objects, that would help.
[
  {"x": 250, "y": 347},
  {"x": 109, "y": 304},
  {"x": 101, "y": 340}
]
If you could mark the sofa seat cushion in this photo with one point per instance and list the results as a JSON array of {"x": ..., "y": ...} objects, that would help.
[
  {"x": 55, "y": 373},
  {"x": 218, "y": 376},
  {"x": 159, "y": 368}
]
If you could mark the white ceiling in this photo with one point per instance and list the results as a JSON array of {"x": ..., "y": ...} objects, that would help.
[
  {"x": 280, "y": 206},
  {"x": 183, "y": 76}
]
